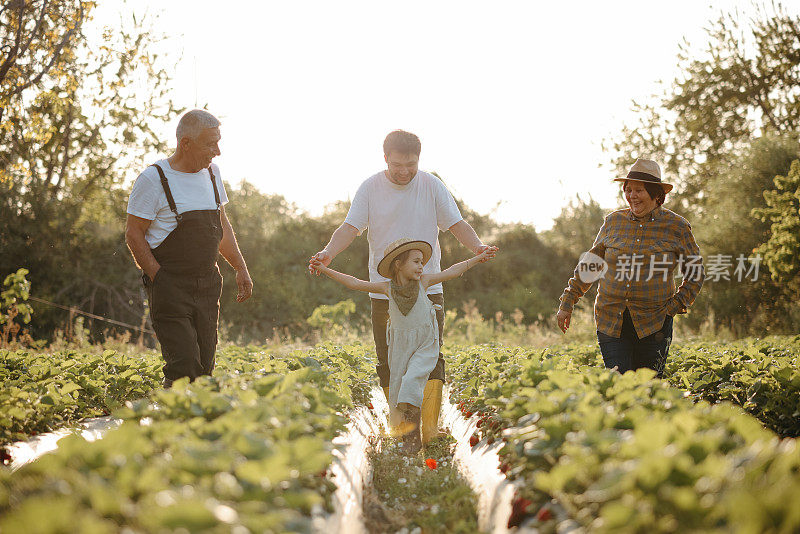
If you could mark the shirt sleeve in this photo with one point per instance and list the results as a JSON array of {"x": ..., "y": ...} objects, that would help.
[
  {"x": 692, "y": 270},
  {"x": 358, "y": 214},
  {"x": 447, "y": 212},
  {"x": 223, "y": 195},
  {"x": 143, "y": 201},
  {"x": 576, "y": 287}
]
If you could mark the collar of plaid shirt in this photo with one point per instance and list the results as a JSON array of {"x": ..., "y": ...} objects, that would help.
[{"x": 652, "y": 216}]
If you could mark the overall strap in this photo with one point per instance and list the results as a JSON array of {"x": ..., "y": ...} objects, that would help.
[
  {"x": 214, "y": 184},
  {"x": 168, "y": 192}
]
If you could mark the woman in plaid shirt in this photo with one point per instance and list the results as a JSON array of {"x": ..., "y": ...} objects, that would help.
[{"x": 634, "y": 257}]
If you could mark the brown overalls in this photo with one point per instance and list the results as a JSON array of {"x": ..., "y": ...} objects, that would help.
[{"x": 184, "y": 295}]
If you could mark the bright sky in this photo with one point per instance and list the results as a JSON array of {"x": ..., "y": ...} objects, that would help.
[{"x": 511, "y": 99}]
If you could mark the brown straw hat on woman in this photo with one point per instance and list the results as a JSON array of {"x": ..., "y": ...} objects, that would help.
[{"x": 648, "y": 171}]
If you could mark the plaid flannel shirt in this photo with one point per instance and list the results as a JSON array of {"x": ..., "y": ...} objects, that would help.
[{"x": 642, "y": 255}]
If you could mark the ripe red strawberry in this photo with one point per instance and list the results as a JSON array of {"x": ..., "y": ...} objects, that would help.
[
  {"x": 5, "y": 457},
  {"x": 467, "y": 414},
  {"x": 544, "y": 514},
  {"x": 518, "y": 511},
  {"x": 370, "y": 406},
  {"x": 504, "y": 467},
  {"x": 490, "y": 440},
  {"x": 473, "y": 440}
]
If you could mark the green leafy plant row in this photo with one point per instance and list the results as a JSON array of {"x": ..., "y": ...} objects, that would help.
[
  {"x": 625, "y": 453},
  {"x": 246, "y": 448},
  {"x": 45, "y": 391},
  {"x": 760, "y": 375}
]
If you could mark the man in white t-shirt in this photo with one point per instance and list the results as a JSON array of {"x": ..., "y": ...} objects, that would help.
[
  {"x": 176, "y": 229},
  {"x": 399, "y": 202}
]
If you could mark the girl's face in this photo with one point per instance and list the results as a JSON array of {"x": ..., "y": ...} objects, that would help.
[
  {"x": 411, "y": 269},
  {"x": 638, "y": 198}
]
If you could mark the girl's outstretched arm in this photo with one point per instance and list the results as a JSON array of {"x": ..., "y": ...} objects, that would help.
[
  {"x": 350, "y": 282},
  {"x": 454, "y": 271}
]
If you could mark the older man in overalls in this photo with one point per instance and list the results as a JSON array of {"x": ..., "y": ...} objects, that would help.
[{"x": 176, "y": 227}]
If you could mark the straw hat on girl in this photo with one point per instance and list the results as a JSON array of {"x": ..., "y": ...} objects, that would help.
[{"x": 398, "y": 247}]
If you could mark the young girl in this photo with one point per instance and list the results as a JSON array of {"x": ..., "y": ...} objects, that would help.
[{"x": 412, "y": 333}]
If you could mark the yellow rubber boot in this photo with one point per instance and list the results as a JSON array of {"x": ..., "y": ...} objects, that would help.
[
  {"x": 394, "y": 430},
  {"x": 431, "y": 406}
]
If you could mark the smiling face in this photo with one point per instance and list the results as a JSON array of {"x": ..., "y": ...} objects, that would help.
[
  {"x": 402, "y": 167},
  {"x": 203, "y": 148},
  {"x": 411, "y": 268},
  {"x": 639, "y": 200}
]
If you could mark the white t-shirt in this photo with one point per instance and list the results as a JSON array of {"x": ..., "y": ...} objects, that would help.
[
  {"x": 191, "y": 191},
  {"x": 417, "y": 210}
]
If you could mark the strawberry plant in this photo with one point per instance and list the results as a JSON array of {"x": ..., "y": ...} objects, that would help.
[
  {"x": 242, "y": 449},
  {"x": 43, "y": 392},
  {"x": 626, "y": 453}
]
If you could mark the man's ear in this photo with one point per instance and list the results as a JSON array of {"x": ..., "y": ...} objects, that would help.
[{"x": 386, "y": 158}]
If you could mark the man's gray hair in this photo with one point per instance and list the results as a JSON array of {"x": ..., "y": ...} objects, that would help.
[{"x": 194, "y": 122}]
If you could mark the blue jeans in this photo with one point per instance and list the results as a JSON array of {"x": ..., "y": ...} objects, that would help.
[{"x": 628, "y": 352}]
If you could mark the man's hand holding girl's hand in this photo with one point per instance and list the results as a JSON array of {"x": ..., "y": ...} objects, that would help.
[
  {"x": 316, "y": 266},
  {"x": 486, "y": 252},
  {"x": 322, "y": 257}
]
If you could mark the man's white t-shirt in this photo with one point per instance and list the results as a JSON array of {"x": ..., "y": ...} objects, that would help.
[
  {"x": 417, "y": 210},
  {"x": 191, "y": 191}
]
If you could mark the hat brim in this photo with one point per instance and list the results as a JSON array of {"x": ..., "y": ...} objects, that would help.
[
  {"x": 386, "y": 262},
  {"x": 664, "y": 185}
]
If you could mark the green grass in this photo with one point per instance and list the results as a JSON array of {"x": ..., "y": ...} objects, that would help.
[{"x": 405, "y": 492}]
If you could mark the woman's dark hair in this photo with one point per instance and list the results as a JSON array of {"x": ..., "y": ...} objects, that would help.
[
  {"x": 402, "y": 142},
  {"x": 399, "y": 260},
  {"x": 655, "y": 191}
]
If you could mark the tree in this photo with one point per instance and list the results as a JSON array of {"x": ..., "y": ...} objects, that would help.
[
  {"x": 575, "y": 228},
  {"x": 746, "y": 305},
  {"x": 277, "y": 240},
  {"x": 782, "y": 249},
  {"x": 69, "y": 134},
  {"x": 31, "y": 30},
  {"x": 745, "y": 84}
]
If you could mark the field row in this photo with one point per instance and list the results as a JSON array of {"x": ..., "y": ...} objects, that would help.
[
  {"x": 625, "y": 452},
  {"x": 247, "y": 448},
  {"x": 46, "y": 391}
]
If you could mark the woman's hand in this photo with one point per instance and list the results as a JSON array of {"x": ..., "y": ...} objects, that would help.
[{"x": 563, "y": 317}]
